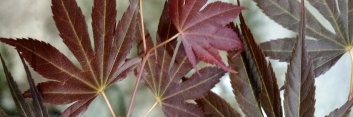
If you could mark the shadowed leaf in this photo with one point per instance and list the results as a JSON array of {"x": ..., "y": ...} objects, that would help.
[
  {"x": 246, "y": 87},
  {"x": 343, "y": 111},
  {"x": 282, "y": 48},
  {"x": 214, "y": 106},
  {"x": 299, "y": 93},
  {"x": 203, "y": 32},
  {"x": 21, "y": 105},
  {"x": 261, "y": 74},
  {"x": 328, "y": 47},
  {"x": 246, "y": 90},
  {"x": 38, "y": 107},
  {"x": 99, "y": 68}
]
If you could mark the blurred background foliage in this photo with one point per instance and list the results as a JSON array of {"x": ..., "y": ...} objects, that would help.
[{"x": 22, "y": 19}]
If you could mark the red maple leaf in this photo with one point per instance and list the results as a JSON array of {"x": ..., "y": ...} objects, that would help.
[
  {"x": 100, "y": 67},
  {"x": 204, "y": 32}
]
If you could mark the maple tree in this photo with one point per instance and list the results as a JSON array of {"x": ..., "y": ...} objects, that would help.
[{"x": 202, "y": 30}]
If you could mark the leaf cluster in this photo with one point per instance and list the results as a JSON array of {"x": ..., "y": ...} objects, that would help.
[{"x": 189, "y": 31}]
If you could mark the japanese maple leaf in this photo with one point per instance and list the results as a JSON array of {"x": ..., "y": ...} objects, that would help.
[
  {"x": 99, "y": 67},
  {"x": 169, "y": 82},
  {"x": 203, "y": 32},
  {"x": 172, "y": 89},
  {"x": 328, "y": 46}
]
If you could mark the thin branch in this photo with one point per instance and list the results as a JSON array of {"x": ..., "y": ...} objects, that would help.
[
  {"x": 150, "y": 110},
  {"x": 145, "y": 58},
  {"x": 108, "y": 104},
  {"x": 142, "y": 28}
]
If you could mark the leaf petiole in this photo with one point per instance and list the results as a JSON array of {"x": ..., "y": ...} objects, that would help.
[
  {"x": 142, "y": 28},
  {"x": 150, "y": 110},
  {"x": 108, "y": 104},
  {"x": 174, "y": 54}
]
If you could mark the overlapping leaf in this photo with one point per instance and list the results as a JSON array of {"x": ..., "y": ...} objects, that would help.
[
  {"x": 169, "y": 88},
  {"x": 169, "y": 84},
  {"x": 246, "y": 87},
  {"x": 246, "y": 90},
  {"x": 33, "y": 109},
  {"x": 203, "y": 32},
  {"x": 261, "y": 76},
  {"x": 214, "y": 106},
  {"x": 38, "y": 107},
  {"x": 328, "y": 46},
  {"x": 99, "y": 68},
  {"x": 22, "y": 106},
  {"x": 299, "y": 94}
]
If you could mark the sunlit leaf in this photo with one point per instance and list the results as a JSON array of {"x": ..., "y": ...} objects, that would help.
[
  {"x": 204, "y": 32},
  {"x": 246, "y": 90}
]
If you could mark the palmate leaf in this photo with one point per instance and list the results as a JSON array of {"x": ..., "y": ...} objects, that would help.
[
  {"x": 299, "y": 93},
  {"x": 172, "y": 89},
  {"x": 169, "y": 88},
  {"x": 100, "y": 67},
  {"x": 203, "y": 32},
  {"x": 328, "y": 47},
  {"x": 212, "y": 104}
]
